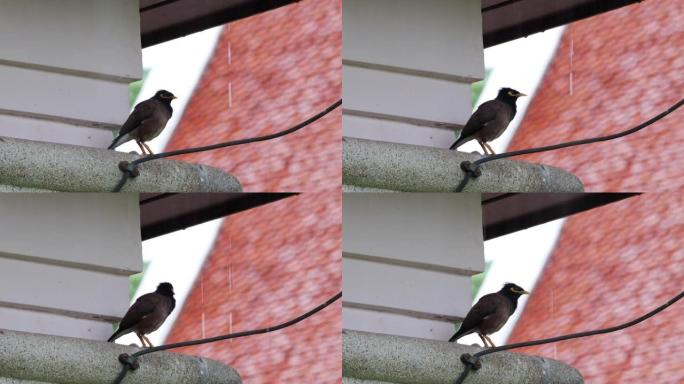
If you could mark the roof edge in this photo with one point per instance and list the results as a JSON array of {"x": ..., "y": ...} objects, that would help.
[{"x": 241, "y": 10}]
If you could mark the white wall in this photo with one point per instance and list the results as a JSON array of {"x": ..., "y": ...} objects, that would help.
[
  {"x": 65, "y": 67},
  {"x": 407, "y": 68},
  {"x": 65, "y": 261},
  {"x": 407, "y": 261}
]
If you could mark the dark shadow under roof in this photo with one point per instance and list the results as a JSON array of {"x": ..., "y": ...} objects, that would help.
[
  {"x": 162, "y": 213},
  {"x": 504, "y": 213},
  {"x": 164, "y": 20},
  {"x": 502, "y": 20},
  {"x": 506, "y": 20}
]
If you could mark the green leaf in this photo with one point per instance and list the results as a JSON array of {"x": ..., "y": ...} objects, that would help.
[
  {"x": 476, "y": 280},
  {"x": 476, "y": 88},
  {"x": 134, "y": 87},
  {"x": 134, "y": 281}
]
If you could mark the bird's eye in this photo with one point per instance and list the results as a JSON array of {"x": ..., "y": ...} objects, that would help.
[{"x": 510, "y": 93}]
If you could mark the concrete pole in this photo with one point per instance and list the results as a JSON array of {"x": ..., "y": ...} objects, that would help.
[
  {"x": 373, "y": 358},
  {"x": 39, "y": 359}
]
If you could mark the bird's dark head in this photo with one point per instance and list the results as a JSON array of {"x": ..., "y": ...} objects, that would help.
[
  {"x": 509, "y": 95},
  {"x": 513, "y": 291},
  {"x": 165, "y": 289},
  {"x": 164, "y": 95}
]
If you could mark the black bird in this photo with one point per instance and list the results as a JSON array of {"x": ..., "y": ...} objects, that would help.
[
  {"x": 147, "y": 314},
  {"x": 490, "y": 120},
  {"x": 146, "y": 121},
  {"x": 490, "y": 313}
]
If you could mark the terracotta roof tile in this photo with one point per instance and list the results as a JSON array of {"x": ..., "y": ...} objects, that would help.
[
  {"x": 268, "y": 73},
  {"x": 620, "y": 261},
  {"x": 288, "y": 262}
]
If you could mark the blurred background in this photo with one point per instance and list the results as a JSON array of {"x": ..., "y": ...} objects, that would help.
[
  {"x": 602, "y": 267},
  {"x": 252, "y": 77},
  {"x": 258, "y": 268}
]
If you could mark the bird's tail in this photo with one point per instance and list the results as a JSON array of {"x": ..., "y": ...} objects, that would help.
[
  {"x": 113, "y": 337},
  {"x": 455, "y": 337},
  {"x": 117, "y": 334},
  {"x": 120, "y": 139},
  {"x": 114, "y": 143},
  {"x": 460, "y": 333},
  {"x": 459, "y": 142}
]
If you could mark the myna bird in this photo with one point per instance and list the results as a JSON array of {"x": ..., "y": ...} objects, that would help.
[
  {"x": 490, "y": 313},
  {"x": 146, "y": 121},
  {"x": 147, "y": 314},
  {"x": 490, "y": 120}
]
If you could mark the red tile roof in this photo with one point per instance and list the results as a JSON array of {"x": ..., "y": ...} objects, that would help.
[
  {"x": 268, "y": 73},
  {"x": 611, "y": 265},
  {"x": 612, "y": 72},
  {"x": 275, "y": 262},
  {"x": 620, "y": 261},
  {"x": 269, "y": 265}
]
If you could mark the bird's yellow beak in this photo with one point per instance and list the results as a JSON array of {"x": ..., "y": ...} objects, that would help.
[
  {"x": 524, "y": 292},
  {"x": 521, "y": 94},
  {"x": 174, "y": 98}
]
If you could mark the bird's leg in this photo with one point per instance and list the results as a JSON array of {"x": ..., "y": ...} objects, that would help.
[
  {"x": 149, "y": 151},
  {"x": 490, "y": 149},
  {"x": 142, "y": 341},
  {"x": 490, "y": 341},
  {"x": 483, "y": 340},
  {"x": 483, "y": 146},
  {"x": 141, "y": 147},
  {"x": 149, "y": 343}
]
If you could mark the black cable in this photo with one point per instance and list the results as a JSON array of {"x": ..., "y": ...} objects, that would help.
[
  {"x": 639, "y": 127},
  {"x": 131, "y": 167},
  {"x": 628, "y": 324},
  {"x": 121, "y": 375},
  {"x": 286, "y": 324}
]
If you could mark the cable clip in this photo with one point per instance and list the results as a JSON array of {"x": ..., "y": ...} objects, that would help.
[
  {"x": 129, "y": 361},
  {"x": 127, "y": 167},
  {"x": 473, "y": 362},
  {"x": 471, "y": 168}
]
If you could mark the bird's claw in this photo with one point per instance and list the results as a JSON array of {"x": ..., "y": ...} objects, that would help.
[
  {"x": 471, "y": 168},
  {"x": 471, "y": 361},
  {"x": 124, "y": 166},
  {"x": 129, "y": 361}
]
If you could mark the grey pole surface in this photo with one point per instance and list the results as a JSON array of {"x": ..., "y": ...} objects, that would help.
[
  {"x": 371, "y": 357},
  {"x": 33, "y": 165},
  {"x": 35, "y": 358}
]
